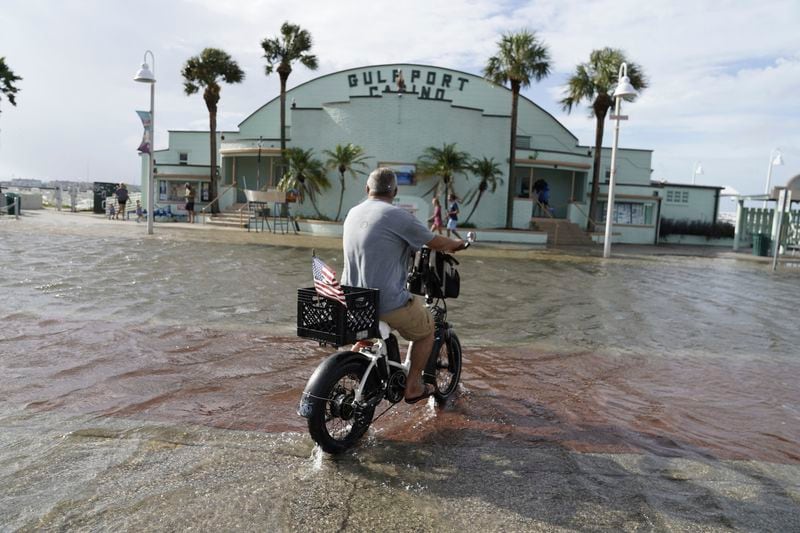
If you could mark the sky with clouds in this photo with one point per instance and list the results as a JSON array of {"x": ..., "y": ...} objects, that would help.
[{"x": 724, "y": 74}]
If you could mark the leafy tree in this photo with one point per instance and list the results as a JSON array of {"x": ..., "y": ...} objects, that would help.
[
  {"x": 594, "y": 82},
  {"x": 206, "y": 71},
  {"x": 7, "y": 79},
  {"x": 443, "y": 163},
  {"x": 305, "y": 174},
  {"x": 293, "y": 44},
  {"x": 490, "y": 174},
  {"x": 521, "y": 57},
  {"x": 345, "y": 159}
]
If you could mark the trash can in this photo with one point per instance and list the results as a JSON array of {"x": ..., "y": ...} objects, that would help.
[
  {"x": 761, "y": 243},
  {"x": 10, "y": 197}
]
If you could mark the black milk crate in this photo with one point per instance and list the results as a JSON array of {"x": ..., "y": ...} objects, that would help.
[{"x": 327, "y": 321}]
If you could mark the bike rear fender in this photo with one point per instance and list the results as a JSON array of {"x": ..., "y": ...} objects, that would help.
[{"x": 316, "y": 382}]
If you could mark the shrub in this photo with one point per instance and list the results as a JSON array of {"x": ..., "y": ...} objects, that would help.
[{"x": 709, "y": 230}]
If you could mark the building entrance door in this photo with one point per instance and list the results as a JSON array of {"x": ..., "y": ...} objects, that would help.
[{"x": 562, "y": 186}]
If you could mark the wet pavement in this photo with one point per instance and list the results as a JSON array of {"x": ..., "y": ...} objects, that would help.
[{"x": 150, "y": 384}]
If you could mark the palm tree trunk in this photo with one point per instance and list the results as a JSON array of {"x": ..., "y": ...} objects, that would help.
[
  {"x": 284, "y": 77},
  {"x": 474, "y": 206},
  {"x": 447, "y": 189},
  {"x": 512, "y": 152},
  {"x": 212, "y": 186},
  {"x": 341, "y": 198},
  {"x": 314, "y": 204},
  {"x": 601, "y": 106}
]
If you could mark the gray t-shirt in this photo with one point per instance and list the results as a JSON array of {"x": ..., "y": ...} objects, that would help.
[{"x": 379, "y": 240}]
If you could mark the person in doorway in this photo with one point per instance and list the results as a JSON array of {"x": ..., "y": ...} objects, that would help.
[
  {"x": 436, "y": 219},
  {"x": 452, "y": 215},
  {"x": 189, "y": 197},
  {"x": 541, "y": 197},
  {"x": 544, "y": 197},
  {"x": 378, "y": 242},
  {"x": 122, "y": 199}
]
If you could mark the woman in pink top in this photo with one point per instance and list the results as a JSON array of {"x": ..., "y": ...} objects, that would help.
[{"x": 437, "y": 216}]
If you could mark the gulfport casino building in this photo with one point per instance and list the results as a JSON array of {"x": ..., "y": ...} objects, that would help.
[{"x": 366, "y": 106}]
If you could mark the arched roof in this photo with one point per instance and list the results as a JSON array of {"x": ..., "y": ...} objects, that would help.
[{"x": 485, "y": 86}]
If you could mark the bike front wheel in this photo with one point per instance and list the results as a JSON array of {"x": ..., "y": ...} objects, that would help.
[
  {"x": 448, "y": 368},
  {"x": 336, "y": 422}
]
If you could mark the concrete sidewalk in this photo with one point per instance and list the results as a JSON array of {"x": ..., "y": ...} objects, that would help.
[{"x": 84, "y": 222}]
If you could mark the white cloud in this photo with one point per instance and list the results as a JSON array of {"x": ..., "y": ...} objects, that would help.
[{"x": 723, "y": 73}]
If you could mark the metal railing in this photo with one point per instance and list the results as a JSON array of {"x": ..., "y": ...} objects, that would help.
[
  {"x": 595, "y": 224},
  {"x": 209, "y": 204},
  {"x": 543, "y": 208}
]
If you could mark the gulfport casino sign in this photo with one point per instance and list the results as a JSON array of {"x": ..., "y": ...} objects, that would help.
[{"x": 426, "y": 83}]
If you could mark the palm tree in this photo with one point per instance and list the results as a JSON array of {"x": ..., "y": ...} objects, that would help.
[
  {"x": 595, "y": 82},
  {"x": 345, "y": 159},
  {"x": 521, "y": 57},
  {"x": 293, "y": 44},
  {"x": 444, "y": 163},
  {"x": 489, "y": 172},
  {"x": 207, "y": 70},
  {"x": 305, "y": 174},
  {"x": 7, "y": 79}
]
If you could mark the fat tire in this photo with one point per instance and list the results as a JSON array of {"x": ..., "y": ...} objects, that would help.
[
  {"x": 316, "y": 420},
  {"x": 453, "y": 347}
]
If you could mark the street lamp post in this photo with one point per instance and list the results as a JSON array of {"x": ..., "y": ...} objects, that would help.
[
  {"x": 774, "y": 160},
  {"x": 624, "y": 88},
  {"x": 698, "y": 169},
  {"x": 258, "y": 161},
  {"x": 145, "y": 75}
]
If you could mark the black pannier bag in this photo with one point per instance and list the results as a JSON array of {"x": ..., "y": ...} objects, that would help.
[{"x": 435, "y": 271}]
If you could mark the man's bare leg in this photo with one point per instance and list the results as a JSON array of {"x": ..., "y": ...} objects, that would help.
[{"x": 420, "y": 350}]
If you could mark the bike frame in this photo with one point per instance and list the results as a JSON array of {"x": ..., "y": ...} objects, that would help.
[{"x": 377, "y": 352}]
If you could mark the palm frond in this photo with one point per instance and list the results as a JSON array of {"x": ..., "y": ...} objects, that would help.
[
  {"x": 7, "y": 80},
  {"x": 597, "y": 78},
  {"x": 521, "y": 57}
]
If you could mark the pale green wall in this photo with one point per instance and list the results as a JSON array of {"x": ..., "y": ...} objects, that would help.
[
  {"x": 633, "y": 166},
  {"x": 397, "y": 129},
  {"x": 700, "y": 206}
]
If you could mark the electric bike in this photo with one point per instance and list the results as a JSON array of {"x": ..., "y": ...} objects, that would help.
[{"x": 344, "y": 392}]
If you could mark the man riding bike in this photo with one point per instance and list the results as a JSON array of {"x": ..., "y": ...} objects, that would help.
[{"x": 378, "y": 242}]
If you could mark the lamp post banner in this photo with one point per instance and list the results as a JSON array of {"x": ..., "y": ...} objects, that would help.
[{"x": 147, "y": 122}]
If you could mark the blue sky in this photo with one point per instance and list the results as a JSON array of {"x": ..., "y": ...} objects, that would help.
[{"x": 724, "y": 75}]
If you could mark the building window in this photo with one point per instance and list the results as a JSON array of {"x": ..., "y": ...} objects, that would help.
[
  {"x": 629, "y": 213},
  {"x": 183, "y": 158},
  {"x": 677, "y": 197},
  {"x": 524, "y": 142}
]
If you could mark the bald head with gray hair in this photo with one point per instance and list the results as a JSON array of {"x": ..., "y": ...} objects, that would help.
[{"x": 382, "y": 182}]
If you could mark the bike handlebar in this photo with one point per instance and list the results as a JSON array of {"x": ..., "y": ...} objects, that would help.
[{"x": 471, "y": 237}]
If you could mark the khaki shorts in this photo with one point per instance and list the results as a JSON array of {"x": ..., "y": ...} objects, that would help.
[{"x": 413, "y": 321}]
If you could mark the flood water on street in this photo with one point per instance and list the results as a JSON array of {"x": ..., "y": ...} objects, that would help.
[{"x": 151, "y": 383}]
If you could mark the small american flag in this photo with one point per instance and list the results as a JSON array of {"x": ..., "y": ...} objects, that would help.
[{"x": 325, "y": 281}]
